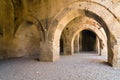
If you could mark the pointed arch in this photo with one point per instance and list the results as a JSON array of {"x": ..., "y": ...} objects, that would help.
[{"x": 89, "y": 9}]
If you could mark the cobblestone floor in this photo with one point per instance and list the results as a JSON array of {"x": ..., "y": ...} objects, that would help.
[{"x": 82, "y": 66}]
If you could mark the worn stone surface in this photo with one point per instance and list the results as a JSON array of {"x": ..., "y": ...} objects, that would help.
[
  {"x": 27, "y": 40},
  {"x": 76, "y": 44},
  {"x": 76, "y": 26},
  {"x": 51, "y": 18},
  {"x": 84, "y": 66}
]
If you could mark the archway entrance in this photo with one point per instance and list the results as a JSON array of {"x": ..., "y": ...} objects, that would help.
[
  {"x": 88, "y": 41},
  {"x": 61, "y": 46},
  {"x": 75, "y": 10},
  {"x": 27, "y": 39}
]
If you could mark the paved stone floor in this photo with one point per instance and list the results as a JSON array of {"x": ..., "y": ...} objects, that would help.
[{"x": 83, "y": 66}]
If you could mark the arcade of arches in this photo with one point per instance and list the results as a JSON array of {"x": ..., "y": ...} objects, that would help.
[{"x": 49, "y": 29}]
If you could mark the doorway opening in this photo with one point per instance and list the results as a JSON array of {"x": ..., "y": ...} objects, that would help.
[
  {"x": 61, "y": 46},
  {"x": 88, "y": 40}
]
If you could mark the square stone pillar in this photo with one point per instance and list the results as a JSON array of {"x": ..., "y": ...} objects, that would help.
[
  {"x": 98, "y": 46},
  {"x": 68, "y": 48},
  {"x": 76, "y": 44},
  {"x": 116, "y": 56},
  {"x": 80, "y": 41},
  {"x": 49, "y": 52}
]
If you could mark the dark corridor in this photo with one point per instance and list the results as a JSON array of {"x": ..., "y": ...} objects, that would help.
[
  {"x": 61, "y": 47},
  {"x": 88, "y": 41}
]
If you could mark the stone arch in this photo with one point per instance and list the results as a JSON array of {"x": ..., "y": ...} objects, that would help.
[
  {"x": 99, "y": 13},
  {"x": 80, "y": 8},
  {"x": 32, "y": 20},
  {"x": 27, "y": 40},
  {"x": 92, "y": 28},
  {"x": 77, "y": 23},
  {"x": 79, "y": 28}
]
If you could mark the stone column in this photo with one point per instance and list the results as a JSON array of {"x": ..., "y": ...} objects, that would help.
[
  {"x": 76, "y": 44},
  {"x": 114, "y": 54},
  {"x": 115, "y": 58},
  {"x": 48, "y": 52},
  {"x": 80, "y": 42},
  {"x": 98, "y": 46},
  {"x": 68, "y": 48}
]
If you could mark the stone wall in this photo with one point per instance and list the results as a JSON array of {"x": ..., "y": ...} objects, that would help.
[{"x": 30, "y": 27}]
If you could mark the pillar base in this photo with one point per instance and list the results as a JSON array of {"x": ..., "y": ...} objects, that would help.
[
  {"x": 47, "y": 53},
  {"x": 116, "y": 64},
  {"x": 48, "y": 58}
]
